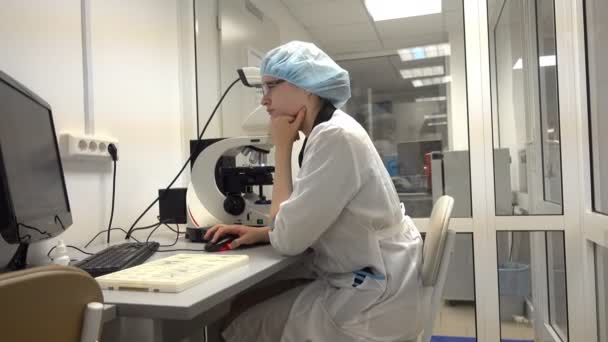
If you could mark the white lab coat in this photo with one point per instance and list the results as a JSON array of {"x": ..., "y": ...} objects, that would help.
[{"x": 345, "y": 207}]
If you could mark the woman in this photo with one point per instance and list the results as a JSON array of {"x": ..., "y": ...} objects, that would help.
[{"x": 343, "y": 205}]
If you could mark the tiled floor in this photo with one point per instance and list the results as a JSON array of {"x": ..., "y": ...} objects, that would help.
[{"x": 458, "y": 319}]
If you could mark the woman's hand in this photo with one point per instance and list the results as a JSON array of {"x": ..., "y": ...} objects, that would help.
[
  {"x": 247, "y": 235},
  {"x": 284, "y": 128}
]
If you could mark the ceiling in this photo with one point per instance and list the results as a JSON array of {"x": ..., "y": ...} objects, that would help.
[{"x": 368, "y": 49}]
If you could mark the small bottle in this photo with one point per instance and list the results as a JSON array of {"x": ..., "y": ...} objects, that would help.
[{"x": 61, "y": 252}]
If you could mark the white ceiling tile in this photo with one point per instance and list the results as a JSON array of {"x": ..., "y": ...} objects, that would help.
[
  {"x": 339, "y": 33},
  {"x": 343, "y": 27},
  {"x": 415, "y": 40},
  {"x": 346, "y": 47},
  {"x": 337, "y": 12},
  {"x": 428, "y": 24}
]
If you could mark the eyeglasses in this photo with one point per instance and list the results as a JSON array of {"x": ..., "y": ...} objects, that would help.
[{"x": 267, "y": 86}]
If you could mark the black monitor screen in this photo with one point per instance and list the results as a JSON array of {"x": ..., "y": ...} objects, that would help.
[{"x": 30, "y": 159}]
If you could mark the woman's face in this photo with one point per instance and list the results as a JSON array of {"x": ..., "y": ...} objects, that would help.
[{"x": 281, "y": 97}]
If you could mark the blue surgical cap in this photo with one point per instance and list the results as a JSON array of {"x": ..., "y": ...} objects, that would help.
[{"x": 306, "y": 66}]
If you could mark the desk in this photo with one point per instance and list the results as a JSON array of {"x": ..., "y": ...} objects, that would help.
[{"x": 174, "y": 316}]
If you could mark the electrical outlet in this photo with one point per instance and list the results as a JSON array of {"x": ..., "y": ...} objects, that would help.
[{"x": 76, "y": 146}]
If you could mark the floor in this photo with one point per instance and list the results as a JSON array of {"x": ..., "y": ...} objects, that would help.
[{"x": 456, "y": 323}]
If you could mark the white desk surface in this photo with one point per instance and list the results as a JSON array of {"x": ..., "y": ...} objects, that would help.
[{"x": 264, "y": 261}]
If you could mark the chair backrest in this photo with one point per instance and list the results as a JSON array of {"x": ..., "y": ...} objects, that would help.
[
  {"x": 434, "y": 242},
  {"x": 434, "y": 293},
  {"x": 47, "y": 303}
]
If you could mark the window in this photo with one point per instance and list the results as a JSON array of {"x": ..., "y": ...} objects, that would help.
[
  {"x": 409, "y": 92},
  {"x": 556, "y": 274},
  {"x": 456, "y": 318},
  {"x": 532, "y": 285},
  {"x": 597, "y": 78},
  {"x": 525, "y": 108}
]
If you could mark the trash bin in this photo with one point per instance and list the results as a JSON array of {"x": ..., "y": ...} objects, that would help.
[{"x": 514, "y": 287}]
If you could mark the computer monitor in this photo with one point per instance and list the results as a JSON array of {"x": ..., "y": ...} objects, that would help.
[{"x": 34, "y": 202}]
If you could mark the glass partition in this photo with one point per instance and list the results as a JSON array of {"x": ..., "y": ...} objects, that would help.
[
  {"x": 525, "y": 107},
  {"x": 532, "y": 285},
  {"x": 597, "y": 74},
  {"x": 456, "y": 319},
  {"x": 410, "y": 93}
]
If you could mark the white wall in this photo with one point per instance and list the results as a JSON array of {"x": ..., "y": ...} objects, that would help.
[
  {"x": 135, "y": 55},
  {"x": 289, "y": 28}
]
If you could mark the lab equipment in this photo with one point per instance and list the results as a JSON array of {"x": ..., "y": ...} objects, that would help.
[
  {"x": 34, "y": 202},
  {"x": 190, "y": 158},
  {"x": 250, "y": 76},
  {"x": 221, "y": 192},
  {"x": 172, "y": 274},
  {"x": 308, "y": 67},
  {"x": 118, "y": 257}
]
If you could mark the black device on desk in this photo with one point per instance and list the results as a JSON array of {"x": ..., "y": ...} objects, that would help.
[
  {"x": 196, "y": 234},
  {"x": 222, "y": 243},
  {"x": 118, "y": 257},
  {"x": 34, "y": 202}
]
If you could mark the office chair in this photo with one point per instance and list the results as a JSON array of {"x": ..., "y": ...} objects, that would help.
[
  {"x": 50, "y": 303},
  {"x": 436, "y": 254}
]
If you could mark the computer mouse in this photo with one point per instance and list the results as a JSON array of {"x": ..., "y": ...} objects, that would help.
[{"x": 222, "y": 244}]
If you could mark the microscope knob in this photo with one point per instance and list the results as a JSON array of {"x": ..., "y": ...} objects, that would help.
[{"x": 234, "y": 205}]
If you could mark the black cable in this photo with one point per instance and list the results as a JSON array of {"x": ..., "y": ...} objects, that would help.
[
  {"x": 103, "y": 231},
  {"x": 113, "y": 151},
  {"x": 176, "y": 236},
  {"x": 174, "y": 230},
  {"x": 152, "y": 232},
  {"x": 57, "y": 218},
  {"x": 187, "y": 162},
  {"x": 48, "y": 255},
  {"x": 171, "y": 229},
  {"x": 21, "y": 238},
  {"x": 70, "y": 246},
  {"x": 148, "y": 227},
  {"x": 80, "y": 250},
  {"x": 34, "y": 228},
  {"x": 113, "y": 197}
]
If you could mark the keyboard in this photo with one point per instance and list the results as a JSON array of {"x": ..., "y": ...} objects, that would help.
[
  {"x": 172, "y": 274},
  {"x": 117, "y": 257}
]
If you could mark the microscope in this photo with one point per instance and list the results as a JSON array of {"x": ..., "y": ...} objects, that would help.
[{"x": 229, "y": 174}]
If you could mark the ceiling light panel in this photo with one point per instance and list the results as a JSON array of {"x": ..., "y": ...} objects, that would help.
[
  {"x": 431, "y": 81},
  {"x": 381, "y": 10},
  {"x": 422, "y": 72},
  {"x": 423, "y": 52}
]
